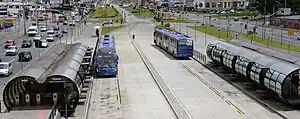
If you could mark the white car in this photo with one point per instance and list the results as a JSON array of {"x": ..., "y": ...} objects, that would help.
[
  {"x": 50, "y": 38},
  {"x": 44, "y": 43},
  {"x": 5, "y": 68},
  {"x": 43, "y": 28},
  {"x": 32, "y": 32},
  {"x": 37, "y": 37},
  {"x": 50, "y": 31},
  {"x": 72, "y": 23},
  {"x": 11, "y": 50},
  {"x": 298, "y": 37}
]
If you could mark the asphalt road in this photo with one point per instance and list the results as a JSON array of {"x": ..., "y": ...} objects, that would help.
[
  {"x": 17, "y": 66},
  {"x": 238, "y": 26}
]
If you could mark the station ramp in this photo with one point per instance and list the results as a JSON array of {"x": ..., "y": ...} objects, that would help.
[{"x": 28, "y": 112}]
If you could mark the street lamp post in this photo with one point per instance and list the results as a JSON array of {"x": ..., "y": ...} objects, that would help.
[
  {"x": 219, "y": 29},
  {"x": 24, "y": 17}
]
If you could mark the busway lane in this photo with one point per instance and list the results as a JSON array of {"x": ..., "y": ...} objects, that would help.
[
  {"x": 17, "y": 66},
  {"x": 147, "y": 102},
  {"x": 195, "y": 95}
]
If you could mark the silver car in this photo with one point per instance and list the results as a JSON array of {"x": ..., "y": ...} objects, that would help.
[{"x": 5, "y": 68}]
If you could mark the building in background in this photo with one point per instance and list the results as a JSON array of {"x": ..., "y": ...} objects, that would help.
[{"x": 220, "y": 4}]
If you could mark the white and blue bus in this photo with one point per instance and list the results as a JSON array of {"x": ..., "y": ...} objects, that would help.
[
  {"x": 177, "y": 44},
  {"x": 106, "y": 60}
]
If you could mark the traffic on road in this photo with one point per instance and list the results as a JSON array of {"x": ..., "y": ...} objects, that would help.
[{"x": 18, "y": 53}]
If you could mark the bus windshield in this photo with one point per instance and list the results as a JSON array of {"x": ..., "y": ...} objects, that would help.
[
  {"x": 185, "y": 43},
  {"x": 107, "y": 61}
]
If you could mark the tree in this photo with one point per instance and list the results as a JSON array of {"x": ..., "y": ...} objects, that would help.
[{"x": 260, "y": 5}]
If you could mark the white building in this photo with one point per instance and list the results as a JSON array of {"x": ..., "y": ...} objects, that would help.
[{"x": 220, "y": 4}]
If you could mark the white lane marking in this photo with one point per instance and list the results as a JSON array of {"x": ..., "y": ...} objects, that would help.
[{"x": 12, "y": 60}]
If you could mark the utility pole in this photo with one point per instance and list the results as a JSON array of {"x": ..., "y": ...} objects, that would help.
[
  {"x": 284, "y": 3},
  {"x": 265, "y": 12},
  {"x": 24, "y": 17}
]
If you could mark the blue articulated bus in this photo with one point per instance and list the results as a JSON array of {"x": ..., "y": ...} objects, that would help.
[
  {"x": 177, "y": 44},
  {"x": 106, "y": 60}
]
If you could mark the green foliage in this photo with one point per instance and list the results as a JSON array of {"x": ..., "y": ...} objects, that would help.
[
  {"x": 272, "y": 43},
  {"x": 106, "y": 30},
  {"x": 295, "y": 4},
  {"x": 167, "y": 26},
  {"x": 104, "y": 12},
  {"x": 213, "y": 31}
]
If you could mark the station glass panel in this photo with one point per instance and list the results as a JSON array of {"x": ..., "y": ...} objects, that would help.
[
  {"x": 269, "y": 73},
  {"x": 272, "y": 85},
  {"x": 278, "y": 88},
  {"x": 254, "y": 73},
  {"x": 267, "y": 82},
  {"x": 227, "y": 60},
  {"x": 275, "y": 75},
  {"x": 216, "y": 54},
  {"x": 281, "y": 78}
]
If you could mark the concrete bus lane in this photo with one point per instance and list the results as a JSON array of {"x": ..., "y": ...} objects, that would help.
[
  {"x": 184, "y": 84},
  {"x": 17, "y": 66}
]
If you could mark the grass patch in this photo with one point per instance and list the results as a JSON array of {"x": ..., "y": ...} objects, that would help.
[
  {"x": 104, "y": 12},
  {"x": 106, "y": 30},
  {"x": 237, "y": 14},
  {"x": 213, "y": 31},
  {"x": 171, "y": 19},
  {"x": 142, "y": 12},
  {"x": 270, "y": 42},
  {"x": 167, "y": 26},
  {"x": 115, "y": 20}
]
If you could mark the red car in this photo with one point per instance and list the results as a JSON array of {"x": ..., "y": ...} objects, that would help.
[{"x": 9, "y": 43}]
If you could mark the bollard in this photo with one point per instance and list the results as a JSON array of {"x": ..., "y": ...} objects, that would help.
[{"x": 133, "y": 36}]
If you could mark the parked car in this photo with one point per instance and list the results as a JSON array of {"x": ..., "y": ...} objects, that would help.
[
  {"x": 50, "y": 31},
  {"x": 236, "y": 19},
  {"x": 37, "y": 37},
  {"x": 65, "y": 23},
  {"x": 65, "y": 30},
  {"x": 59, "y": 34},
  {"x": 9, "y": 43},
  {"x": 72, "y": 23},
  {"x": 43, "y": 28},
  {"x": 26, "y": 43},
  {"x": 56, "y": 28},
  {"x": 25, "y": 56},
  {"x": 50, "y": 38},
  {"x": 6, "y": 68},
  {"x": 11, "y": 51},
  {"x": 44, "y": 43}
]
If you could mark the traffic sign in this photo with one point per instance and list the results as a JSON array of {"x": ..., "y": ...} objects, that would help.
[{"x": 291, "y": 32}]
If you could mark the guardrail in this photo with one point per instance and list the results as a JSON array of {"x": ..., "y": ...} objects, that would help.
[{"x": 54, "y": 111}]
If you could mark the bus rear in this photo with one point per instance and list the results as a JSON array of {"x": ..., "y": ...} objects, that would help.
[
  {"x": 107, "y": 65},
  {"x": 184, "y": 48}
]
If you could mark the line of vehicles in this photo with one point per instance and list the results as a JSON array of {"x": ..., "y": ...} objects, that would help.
[
  {"x": 105, "y": 57},
  {"x": 279, "y": 78},
  {"x": 34, "y": 38}
]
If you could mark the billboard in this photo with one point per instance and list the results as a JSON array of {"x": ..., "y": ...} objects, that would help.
[{"x": 284, "y": 11}]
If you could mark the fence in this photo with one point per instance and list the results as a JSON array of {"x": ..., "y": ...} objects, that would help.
[{"x": 201, "y": 57}]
